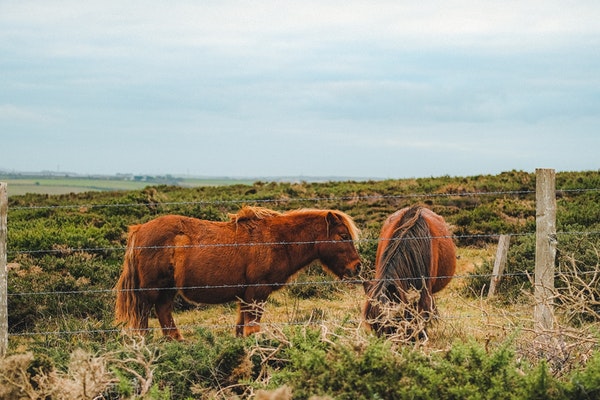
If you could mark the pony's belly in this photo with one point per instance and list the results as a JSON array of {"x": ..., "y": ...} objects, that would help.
[{"x": 215, "y": 294}]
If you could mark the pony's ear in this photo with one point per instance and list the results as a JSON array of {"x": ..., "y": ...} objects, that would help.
[{"x": 333, "y": 219}]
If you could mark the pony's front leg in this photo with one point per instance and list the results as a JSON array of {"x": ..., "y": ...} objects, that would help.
[{"x": 249, "y": 315}]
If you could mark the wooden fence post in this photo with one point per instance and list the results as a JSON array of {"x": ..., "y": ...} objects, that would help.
[
  {"x": 3, "y": 270},
  {"x": 499, "y": 263},
  {"x": 545, "y": 249}
]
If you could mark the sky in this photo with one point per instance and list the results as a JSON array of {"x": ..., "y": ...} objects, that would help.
[{"x": 360, "y": 89}]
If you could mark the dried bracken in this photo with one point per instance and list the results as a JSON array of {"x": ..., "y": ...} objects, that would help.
[{"x": 87, "y": 377}]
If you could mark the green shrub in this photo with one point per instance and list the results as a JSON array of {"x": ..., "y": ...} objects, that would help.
[
  {"x": 51, "y": 290},
  {"x": 207, "y": 364},
  {"x": 585, "y": 383},
  {"x": 378, "y": 370},
  {"x": 213, "y": 365}
]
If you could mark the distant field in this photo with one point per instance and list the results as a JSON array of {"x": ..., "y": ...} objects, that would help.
[{"x": 63, "y": 185}]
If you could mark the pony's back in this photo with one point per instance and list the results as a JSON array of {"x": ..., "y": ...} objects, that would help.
[{"x": 405, "y": 263}]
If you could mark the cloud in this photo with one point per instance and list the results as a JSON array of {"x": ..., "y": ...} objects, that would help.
[
  {"x": 18, "y": 115},
  {"x": 276, "y": 86},
  {"x": 12, "y": 112},
  {"x": 275, "y": 25}
]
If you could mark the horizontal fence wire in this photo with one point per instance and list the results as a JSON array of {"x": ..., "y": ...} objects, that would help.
[
  {"x": 299, "y": 199},
  {"x": 249, "y": 244},
  {"x": 265, "y": 324},
  {"x": 253, "y": 285},
  {"x": 282, "y": 243},
  {"x": 289, "y": 284},
  {"x": 112, "y": 291},
  {"x": 282, "y": 200}
]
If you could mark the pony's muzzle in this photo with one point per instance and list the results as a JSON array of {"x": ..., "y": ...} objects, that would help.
[{"x": 354, "y": 271}]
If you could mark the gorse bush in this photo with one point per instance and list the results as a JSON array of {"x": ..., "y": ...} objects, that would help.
[
  {"x": 209, "y": 363},
  {"x": 378, "y": 370},
  {"x": 52, "y": 289},
  {"x": 309, "y": 361}
]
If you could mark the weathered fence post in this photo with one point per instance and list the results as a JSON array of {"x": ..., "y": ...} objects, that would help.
[
  {"x": 499, "y": 263},
  {"x": 545, "y": 249},
  {"x": 3, "y": 270}
]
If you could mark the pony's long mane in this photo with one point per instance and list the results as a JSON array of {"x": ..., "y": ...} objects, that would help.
[
  {"x": 251, "y": 213},
  {"x": 248, "y": 213},
  {"x": 406, "y": 260}
]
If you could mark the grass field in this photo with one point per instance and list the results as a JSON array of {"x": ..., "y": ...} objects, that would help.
[{"x": 64, "y": 185}]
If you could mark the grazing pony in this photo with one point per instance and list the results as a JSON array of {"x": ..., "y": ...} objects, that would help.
[
  {"x": 415, "y": 258},
  {"x": 243, "y": 259}
]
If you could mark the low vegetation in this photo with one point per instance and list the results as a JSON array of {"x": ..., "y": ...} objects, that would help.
[
  {"x": 296, "y": 362},
  {"x": 65, "y": 254}
]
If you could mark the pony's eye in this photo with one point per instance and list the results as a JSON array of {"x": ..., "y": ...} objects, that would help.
[{"x": 345, "y": 236}]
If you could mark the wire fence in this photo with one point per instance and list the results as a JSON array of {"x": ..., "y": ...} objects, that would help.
[
  {"x": 370, "y": 198},
  {"x": 250, "y": 200},
  {"x": 296, "y": 199},
  {"x": 281, "y": 243}
]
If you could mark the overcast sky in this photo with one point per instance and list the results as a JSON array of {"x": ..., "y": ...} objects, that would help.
[{"x": 384, "y": 89}]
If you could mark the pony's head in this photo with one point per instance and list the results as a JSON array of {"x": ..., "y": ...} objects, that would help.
[
  {"x": 337, "y": 252},
  {"x": 377, "y": 311},
  {"x": 392, "y": 311}
]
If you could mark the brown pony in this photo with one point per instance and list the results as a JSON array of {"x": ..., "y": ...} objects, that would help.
[
  {"x": 243, "y": 259},
  {"x": 415, "y": 258}
]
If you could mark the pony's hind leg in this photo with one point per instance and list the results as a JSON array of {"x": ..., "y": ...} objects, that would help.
[
  {"x": 249, "y": 315},
  {"x": 239, "y": 323},
  {"x": 164, "y": 312},
  {"x": 144, "y": 315}
]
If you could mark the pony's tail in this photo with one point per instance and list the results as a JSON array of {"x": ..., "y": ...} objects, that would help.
[
  {"x": 409, "y": 258},
  {"x": 129, "y": 306}
]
